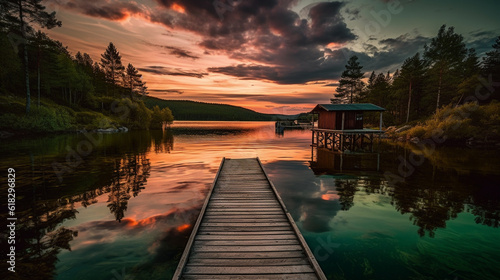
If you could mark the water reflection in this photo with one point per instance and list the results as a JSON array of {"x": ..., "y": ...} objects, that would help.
[
  {"x": 119, "y": 168},
  {"x": 129, "y": 207},
  {"x": 429, "y": 203},
  {"x": 347, "y": 219},
  {"x": 324, "y": 161},
  {"x": 131, "y": 173}
]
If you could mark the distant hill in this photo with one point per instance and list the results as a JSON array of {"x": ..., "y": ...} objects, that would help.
[{"x": 185, "y": 110}]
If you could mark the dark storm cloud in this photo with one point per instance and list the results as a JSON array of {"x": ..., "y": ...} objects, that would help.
[
  {"x": 166, "y": 91},
  {"x": 266, "y": 32},
  {"x": 275, "y": 43},
  {"x": 161, "y": 70},
  {"x": 175, "y": 51},
  {"x": 327, "y": 24},
  {"x": 332, "y": 85},
  {"x": 108, "y": 9},
  {"x": 482, "y": 41}
]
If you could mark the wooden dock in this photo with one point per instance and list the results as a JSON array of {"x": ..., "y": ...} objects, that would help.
[{"x": 245, "y": 232}]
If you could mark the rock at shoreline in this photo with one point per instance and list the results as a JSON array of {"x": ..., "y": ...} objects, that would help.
[
  {"x": 390, "y": 129},
  {"x": 403, "y": 128},
  {"x": 415, "y": 140},
  {"x": 112, "y": 130}
]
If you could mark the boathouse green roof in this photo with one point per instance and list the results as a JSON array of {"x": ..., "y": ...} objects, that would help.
[{"x": 348, "y": 107}]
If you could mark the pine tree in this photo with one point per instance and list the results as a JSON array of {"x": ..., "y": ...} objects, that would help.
[
  {"x": 396, "y": 74},
  {"x": 20, "y": 14},
  {"x": 350, "y": 83},
  {"x": 491, "y": 67},
  {"x": 388, "y": 77},
  {"x": 445, "y": 55},
  {"x": 111, "y": 62},
  {"x": 133, "y": 80},
  {"x": 412, "y": 71},
  {"x": 470, "y": 76},
  {"x": 371, "y": 80}
]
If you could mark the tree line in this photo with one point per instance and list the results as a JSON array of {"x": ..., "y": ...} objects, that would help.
[
  {"x": 445, "y": 74},
  {"x": 32, "y": 62}
]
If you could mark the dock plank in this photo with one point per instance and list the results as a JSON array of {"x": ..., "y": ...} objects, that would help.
[
  {"x": 195, "y": 269},
  {"x": 250, "y": 262},
  {"x": 245, "y": 232},
  {"x": 302, "y": 276}
]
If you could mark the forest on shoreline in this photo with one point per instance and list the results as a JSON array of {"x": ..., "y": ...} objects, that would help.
[
  {"x": 446, "y": 88},
  {"x": 43, "y": 88}
]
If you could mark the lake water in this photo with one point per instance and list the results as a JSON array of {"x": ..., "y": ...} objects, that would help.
[{"x": 121, "y": 206}]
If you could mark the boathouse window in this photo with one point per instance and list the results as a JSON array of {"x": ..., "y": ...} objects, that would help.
[{"x": 359, "y": 117}]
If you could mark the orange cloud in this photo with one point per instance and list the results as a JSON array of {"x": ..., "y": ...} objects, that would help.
[{"x": 178, "y": 8}]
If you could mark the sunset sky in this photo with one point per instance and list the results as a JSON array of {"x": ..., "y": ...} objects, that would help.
[{"x": 281, "y": 56}]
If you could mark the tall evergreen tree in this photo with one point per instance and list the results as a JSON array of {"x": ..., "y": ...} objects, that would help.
[
  {"x": 133, "y": 80},
  {"x": 412, "y": 71},
  {"x": 22, "y": 13},
  {"x": 491, "y": 67},
  {"x": 111, "y": 62},
  {"x": 10, "y": 65},
  {"x": 445, "y": 55},
  {"x": 371, "y": 80},
  {"x": 470, "y": 76},
  {"x": 350, "y": 83}
]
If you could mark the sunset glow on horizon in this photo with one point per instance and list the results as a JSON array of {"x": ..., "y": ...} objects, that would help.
[{"x": 279, "y": 57}]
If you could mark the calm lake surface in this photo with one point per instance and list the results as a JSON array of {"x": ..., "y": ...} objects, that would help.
[{"x": 121, "y": 206}]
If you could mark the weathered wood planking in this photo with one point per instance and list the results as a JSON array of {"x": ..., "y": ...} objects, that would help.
[{"x": 245, "y": 232}]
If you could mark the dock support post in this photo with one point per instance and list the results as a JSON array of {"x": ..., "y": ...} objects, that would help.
[
  {"x": 343, "y": 119},
  {"x": 371, "y": 142},
  {"x": 380, "y": 128},
  {"x": 378, "y": 161}
]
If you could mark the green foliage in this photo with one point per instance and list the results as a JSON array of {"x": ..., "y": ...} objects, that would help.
[
  {"x": 461, "y": 122},
  {"x": 448, "y": 73},
  {"x": 93, "y": 120},
  {"x": 160, "y": 117},
  {"x": 41, "y": 119},
  {"x": 167, "y": 115},
  {"x": 134, "y": 115},
  {"x": 64, "y": 84}
]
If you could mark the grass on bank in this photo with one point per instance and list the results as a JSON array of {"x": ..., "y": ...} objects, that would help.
[{"x": 460, "y": 123}]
